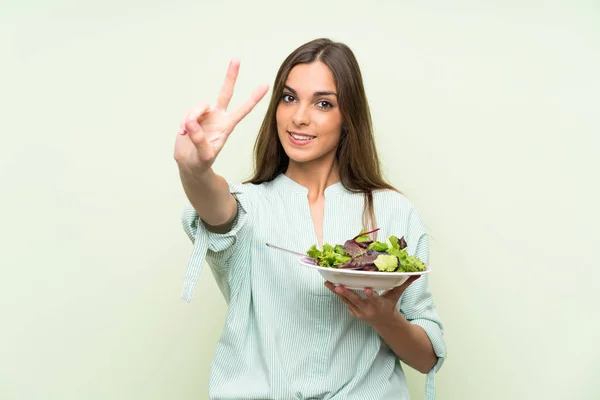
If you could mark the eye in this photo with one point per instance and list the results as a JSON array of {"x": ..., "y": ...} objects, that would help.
[
  {"x": 287, "y": 98},
  {"x": 324, "y": 105}
]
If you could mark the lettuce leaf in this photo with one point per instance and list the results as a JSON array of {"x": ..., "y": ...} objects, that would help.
[
  {"x": 329, "y": 256},
  {"x": 413, "y": 264},
  {"x": 362, "y": 237},
  {"x": 313, "y": 252},
  {"x": 378, "y": 246},
  {"x": 386, "y": 262}
]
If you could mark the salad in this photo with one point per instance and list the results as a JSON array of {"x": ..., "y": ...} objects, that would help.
[{"x": 362, "y": 253}]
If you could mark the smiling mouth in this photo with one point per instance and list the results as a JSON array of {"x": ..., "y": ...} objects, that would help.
[{"x": 304, "y": 138}]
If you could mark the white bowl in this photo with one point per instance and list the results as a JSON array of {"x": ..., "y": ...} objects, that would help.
[{"x": 359, "y": 280}]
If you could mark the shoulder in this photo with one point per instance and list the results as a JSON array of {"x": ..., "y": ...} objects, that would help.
[
  {"x": 399, "y": 212},
  {"x": 249, "y": 189},
  {"x": 392, "y": 197},
  {"x": 250, "y": 195},
  {"x": 395, "y": 203}
]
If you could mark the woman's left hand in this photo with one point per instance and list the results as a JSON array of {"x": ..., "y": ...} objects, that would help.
[{"x": 373, "y": 309}]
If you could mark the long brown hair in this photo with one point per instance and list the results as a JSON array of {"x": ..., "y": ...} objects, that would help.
[{"x": 357, "y": 158}]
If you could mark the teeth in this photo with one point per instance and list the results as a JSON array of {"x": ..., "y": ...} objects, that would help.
[{"x": 301, "y": 137}]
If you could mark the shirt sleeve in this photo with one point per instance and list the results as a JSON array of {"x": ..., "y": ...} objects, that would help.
[
  {"x": 417, "y": 303},
  {"x": 214, "y": 248}
]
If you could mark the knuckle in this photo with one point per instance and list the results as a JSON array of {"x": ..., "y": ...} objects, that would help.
[
  {"x": 205, "y": 157},
  {"x": 200, "y": 105},
  {"x": 179, "y": 156},
  {"x": 196, "y": 111}
]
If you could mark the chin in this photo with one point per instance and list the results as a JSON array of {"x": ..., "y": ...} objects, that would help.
[
  {"x": 300, "y": 156},
  {"x": 303, "y": 157}
]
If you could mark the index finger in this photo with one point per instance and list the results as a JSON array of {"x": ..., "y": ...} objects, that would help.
[
  {"x": 227, "y": 89},
  {"x": 249, "y": 104}
]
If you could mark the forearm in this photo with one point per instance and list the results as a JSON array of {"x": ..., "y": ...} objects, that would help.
[
  {"x": 408, "y": 341},
  {"x": 209, "y": 194}
]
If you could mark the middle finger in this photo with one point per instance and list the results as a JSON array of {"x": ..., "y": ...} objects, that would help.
[
  {"x": 228, "y": 85},
  {"x": 353, "y": 309},
  {"x": 354, "y": 298}
]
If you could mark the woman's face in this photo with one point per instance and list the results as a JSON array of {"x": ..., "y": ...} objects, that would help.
[{"x": 309, "y": 121}]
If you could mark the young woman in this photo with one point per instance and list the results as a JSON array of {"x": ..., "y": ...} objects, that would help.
[{"x": 317, "y": 179}]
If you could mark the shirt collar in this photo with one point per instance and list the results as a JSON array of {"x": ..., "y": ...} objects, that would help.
[{"x": 284, "y": 182}]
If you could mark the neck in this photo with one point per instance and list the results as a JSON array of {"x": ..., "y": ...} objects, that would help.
[{"x": 315, "y": 176}]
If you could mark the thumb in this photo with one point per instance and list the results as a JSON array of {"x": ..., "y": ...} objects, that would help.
[
  {"x": 396, "y": 293},
  {"x": 192, "y": 126},
  {"x": 410, "y": 280},
  {"x": 195, "y": 132},
  {"x": 196, "y": 114}
]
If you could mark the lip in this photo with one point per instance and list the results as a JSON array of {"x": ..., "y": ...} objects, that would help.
[
  {"x": 301, "y": 134},
  {"x": 300, "y": 142}
]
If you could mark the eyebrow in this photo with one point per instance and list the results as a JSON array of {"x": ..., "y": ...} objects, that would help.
[{"x": 316, "y": 94}]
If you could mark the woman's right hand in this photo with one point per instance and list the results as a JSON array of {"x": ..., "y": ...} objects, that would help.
[{"x": 205, "y": 129}]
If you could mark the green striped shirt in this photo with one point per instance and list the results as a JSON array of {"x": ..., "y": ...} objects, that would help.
[{"x": 286, "y": 336}]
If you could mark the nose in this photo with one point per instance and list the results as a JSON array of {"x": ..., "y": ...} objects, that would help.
[{"x": 301, "y": 116}]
